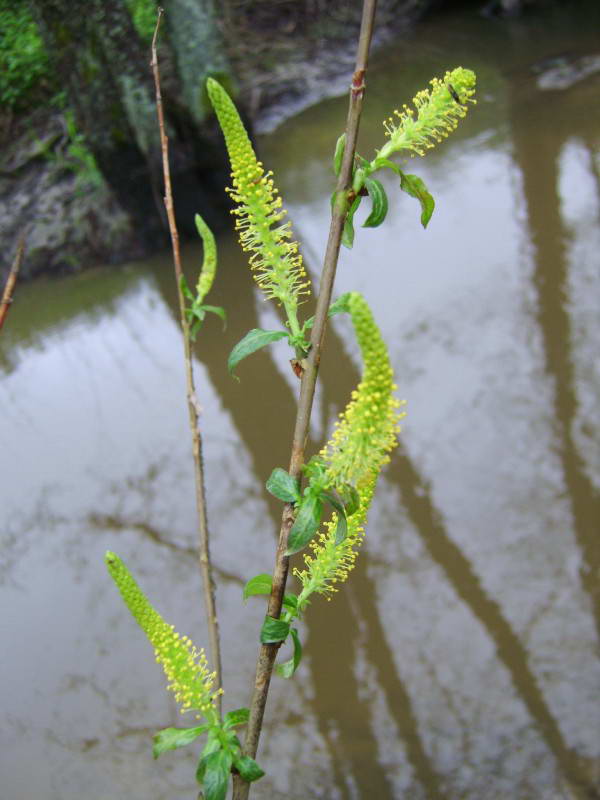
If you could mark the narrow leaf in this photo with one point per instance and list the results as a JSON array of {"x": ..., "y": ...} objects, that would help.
[
  {"x": 332, "y": 499},
  {"x": 283, "y": 486},
  {"x": 306, "y": 524},
  {"x": 252, "y": 341},
  {"x": 209, "y": 264},
  {"x": 216, "y": 775},
  {"x": 385, "y": 162},
  {"x": 338, "y": 157},
  {"x": 287, "y": 669},
  {"x": 339, "y": 306},
  {"x": 341, "y": 530},
  {"x": 234, "y": 718},
  {"x": 259, "y": 584},
  {"x": 219, "y": 311},
  {"x": 350, "y": 498},
  {"x": 233, "y": 743},
  {"x": 172, "y": 738},
  {"x": 415, "y": 187},
  {"x": 213, "y": 745},
  {"x": 380, "y": 203},
  {"x": 274, "y": 630},
  {"x": 185, "y": 289},
  {"x": 290, "y": 601},
  {"x": 348, "y": 233},
  {"x": 248, "y": 768}
]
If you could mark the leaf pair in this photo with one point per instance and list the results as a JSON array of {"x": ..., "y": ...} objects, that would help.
[
  {"x": 310, "y": 505},
  {"x": 276, "y": 631}
]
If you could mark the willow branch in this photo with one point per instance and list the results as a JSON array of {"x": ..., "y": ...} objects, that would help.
[
  {"x": 268, "y": 652},
  {"x": 9, "y": 286},
  {"x": 208, "y": 583}
]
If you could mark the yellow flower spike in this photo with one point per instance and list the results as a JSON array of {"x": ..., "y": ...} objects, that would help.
[
  {"x": 355, "y": 454},
  {"x": 366, "y": 430},
  {"x": 275, "y": 260},
  {"x": 186, "y": 667},
  {"x": 438, "y": 112}
]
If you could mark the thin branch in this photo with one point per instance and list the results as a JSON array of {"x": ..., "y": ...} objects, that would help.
[
  {"x": 193, "y": 407},
  {"x": 268, "y": 652},
  {"x": 9, "y": 286}
]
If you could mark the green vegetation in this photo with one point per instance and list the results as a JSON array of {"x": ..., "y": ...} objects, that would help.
[
  {"x": 23, "y": 58},
  {"x": 143, "y": 14}
]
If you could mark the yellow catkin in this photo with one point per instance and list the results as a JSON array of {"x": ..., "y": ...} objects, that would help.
[
  {"x": 275, "y": 259},
  {"x": 437, "y": 112},
  {"x": 185, "y": 666},
  {"x": 359, "y": 447}
]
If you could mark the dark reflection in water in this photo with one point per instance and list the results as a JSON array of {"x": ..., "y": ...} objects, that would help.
[
  {"x": 461, "y": 659},
  {"x": 538, "y": 158}
]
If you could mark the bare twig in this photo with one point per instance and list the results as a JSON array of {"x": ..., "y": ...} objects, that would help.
[
  {"x": 193, "y": 406},
  {"x": 9, "y": 286},
  {"x": 268, "y": 652}
]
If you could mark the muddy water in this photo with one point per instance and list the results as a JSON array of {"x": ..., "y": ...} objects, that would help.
[{"x": 461, "y": 660}]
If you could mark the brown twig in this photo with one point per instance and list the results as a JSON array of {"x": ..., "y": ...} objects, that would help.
[
  {"x": 268, "y": 652},
  {"x": 9, "y": 286},
  {"x": 193, "y": 407}
]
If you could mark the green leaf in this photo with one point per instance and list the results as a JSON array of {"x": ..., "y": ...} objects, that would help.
[
  {"x": 219, "y": 311},
  {"x": 306, "y": 523},
  {"x": 252, "y": 341},
  {"x": 213, "y": 745},
  {"x": 341, "y": 530},
  {"x": 248, "y": 768},
  {"x": 216, "y": 775},
  {"x": 185, "y": 289},
  {"x": 172, "y": 738},
  {"x": 415, "y": 187},
  {"x": 274, "y": 630},
  {"x": 358, "y": 179},
  {"x": 348, "y": 232},
  {"x": 234, "y": 718},
  {"x": 340, "y": 306},
  {"x": 233, "y": 743},
  {"x": 338, "y": 157},
  {"x": 380, "y": 203},
  {"x": 350, "y": 498},
  {"x": 209, "y": 263},
  {"x": 290, "y": 601},
  {"x": 334, "y": 502},
  {"x": 259, "y": 584},
  {"x": 283, "y": 486},
  {"x": 385, "y": 162},
  {"x": 287, "y": 669}
]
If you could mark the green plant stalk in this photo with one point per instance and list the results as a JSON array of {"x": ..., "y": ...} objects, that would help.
[
  {"x": 208, "y": 584},
  {"x": 268, "y": 653}
]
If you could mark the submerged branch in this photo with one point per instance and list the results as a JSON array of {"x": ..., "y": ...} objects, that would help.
[
  {"x": 268, "y": 653},
  {"x": 193, "y": 407}
]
